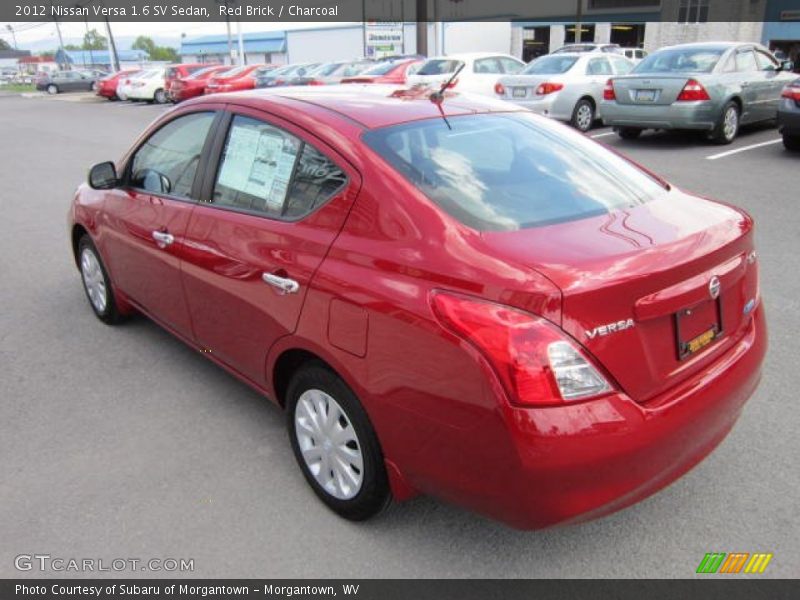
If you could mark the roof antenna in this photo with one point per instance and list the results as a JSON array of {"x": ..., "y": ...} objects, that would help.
[{"x": 439, "y": 95}]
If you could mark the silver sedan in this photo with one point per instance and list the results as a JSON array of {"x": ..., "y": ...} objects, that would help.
[
  {"x": 711, "y": 86},
  {"x": 564, "y": 86}
]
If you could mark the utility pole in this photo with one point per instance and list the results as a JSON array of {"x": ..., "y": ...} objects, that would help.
[
  {"x": 13, "y": 35},
  {"x": 422, "y": 27},
  {"x": 112, "y": 47},
  {"x": 242, "y": 57},
  {"x": 578, "y": 17}
]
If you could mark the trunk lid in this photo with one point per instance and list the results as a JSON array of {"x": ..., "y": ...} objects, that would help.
[
  {"x": 655, "y": 89},
  {"x": 625, "y": 276}
]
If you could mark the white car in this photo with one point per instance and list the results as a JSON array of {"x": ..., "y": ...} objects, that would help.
[
  {"x": 634, "y": 54},
  {"x": 567, "y": 87},
  {"x": 479, "y": 75},
  {"x": 146, "y": 85}
]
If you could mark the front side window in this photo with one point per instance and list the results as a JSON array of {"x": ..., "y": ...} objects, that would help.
[
  {"x": 765, "y": 61},
  {"x": 508, "y": 172},
  {"x": 166, "y": 163},
  {"x": 267, "y": 170}
]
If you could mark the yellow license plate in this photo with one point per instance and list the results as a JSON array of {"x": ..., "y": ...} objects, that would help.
[{"x": 701, "y": 341}]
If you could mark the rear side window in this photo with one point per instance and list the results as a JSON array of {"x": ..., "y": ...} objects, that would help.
[
  {"x": 166, "y": 163},
  {"x": 598, "y": 66},
  {"x": 621, "y": 66},
  {"x": 507, "y": 172},
  {"x": 487, "y": 65},
  {"x": 439, "y": 67},
  {"x": 267, "y": 170}
]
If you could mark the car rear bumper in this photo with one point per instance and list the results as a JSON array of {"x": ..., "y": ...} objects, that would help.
[
  {"x": 547, "y": 106},
  {"x": 573, "y": 463},
  {"x": 688, "y": 115}
]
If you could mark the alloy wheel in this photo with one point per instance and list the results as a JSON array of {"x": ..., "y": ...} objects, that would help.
[
  {"x": 584, "y": 117},
  {"x": 731, "y": 123},
  {"x": 329, "y": 444},
  {"x": 93, "y": 280}
]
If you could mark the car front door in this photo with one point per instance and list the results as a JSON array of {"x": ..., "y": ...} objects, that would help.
[
  {"x": 145, "y": 220},
  {"x": 271, "y": 208},
  {"x": 774, "y": 81}
]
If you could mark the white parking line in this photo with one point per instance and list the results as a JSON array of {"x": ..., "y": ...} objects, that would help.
[
  {"x": 742, "y": 149},
  {"x": 599, "y": 135}
]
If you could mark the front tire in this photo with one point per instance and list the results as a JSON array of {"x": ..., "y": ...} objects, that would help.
[
  {"x": 335, "y": 444},
  {"x": 583, "y": 115},
  {"x": 96, "y": 283},
  {"x": 791, "y": 142},
  {"x": 728, "y": 125}
]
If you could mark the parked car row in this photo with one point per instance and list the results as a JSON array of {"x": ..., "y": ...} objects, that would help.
[{"x": 67, "y": 81}]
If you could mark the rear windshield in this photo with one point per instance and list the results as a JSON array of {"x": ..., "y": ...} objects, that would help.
[
  {"x": 550, "y": 65},
  {"x": 681, "y": 60},
  {"x": 511, "y": 171},
  {"x": 202, "y": 72},
  {"x": 439, "y": 67}
]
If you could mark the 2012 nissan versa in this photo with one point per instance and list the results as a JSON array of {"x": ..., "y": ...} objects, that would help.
[{"x": 448, "y": 295}]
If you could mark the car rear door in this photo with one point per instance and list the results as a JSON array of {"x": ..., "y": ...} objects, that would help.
[
  {"x": 273, "y": 204},
  {"x": 485, "y": 74},
  {"x": 144, "y": 221},
  {"x": 753, "y": 85}
]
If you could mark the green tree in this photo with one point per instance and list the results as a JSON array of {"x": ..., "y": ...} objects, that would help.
[
  {"x": 144, "y": 43},
  {"x": 4, "y": 45},
  {"x": 94, "y": 41},
  {"x": 72, "y": 47}
]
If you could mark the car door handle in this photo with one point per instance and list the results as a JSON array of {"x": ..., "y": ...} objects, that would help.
[
  {"x": 283, "y": 284},
  {"x": 745, "y": 84},
  {"x": 163, "y": 239}
]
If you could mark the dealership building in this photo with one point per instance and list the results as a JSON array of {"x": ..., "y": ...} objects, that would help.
[{"x": 648, "y": 24}]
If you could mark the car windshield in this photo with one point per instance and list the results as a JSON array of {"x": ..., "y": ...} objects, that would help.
[
  {"x": 439, "y": 67},
  {"x": 324, "y": 70},
  {"x": 233, "y": 72},
  {"x": 511, "y": 171},
  {"x": 202, "y": 72},
  {"x": 550, "y": 65},
  {"x": 681, "y": 60},
  {"x": 380, "y": 68},
  {"x": 576, "y": 48}
]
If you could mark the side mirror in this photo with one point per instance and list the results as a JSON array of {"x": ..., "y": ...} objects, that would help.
[
  {"x": 103, "y": 176},
  {"x": 787, "y": 66}
]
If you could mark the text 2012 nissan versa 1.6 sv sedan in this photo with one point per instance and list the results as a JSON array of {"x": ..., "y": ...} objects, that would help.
[{"x": 447, "y": 295}]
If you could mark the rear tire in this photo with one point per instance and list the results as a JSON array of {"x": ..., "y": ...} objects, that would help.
[
  {"x": 160, "y": 96},
  {"x": 335, "y": 444},
  {"x": 96, "y": 283},
  {"x": 629, "y": 133},
  {"x": 583, "y": 115},
  {"x": 791, "y": 142},
  {"x": 52, "y": 89},
  {"x": 727, "y": 127}
]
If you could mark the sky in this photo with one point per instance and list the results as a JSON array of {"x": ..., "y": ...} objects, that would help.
[{"x": 42, "y": 36}]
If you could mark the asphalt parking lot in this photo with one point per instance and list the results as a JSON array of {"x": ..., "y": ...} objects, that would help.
[{"x": 123, "y": 442}]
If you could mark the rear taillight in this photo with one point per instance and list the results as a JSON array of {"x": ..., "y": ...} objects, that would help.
[
  {"x": 608, "y": 91},
  {"x": 452, "y": 84},
  {"x": 536, "y": 363},
  {"x": 316, "y": 82},
  {"x": 792, "y": 92},
  {"x": 693, "y": 91},
  {"x": 499, "y": 89},
  {"x": 548, "y": 88}
]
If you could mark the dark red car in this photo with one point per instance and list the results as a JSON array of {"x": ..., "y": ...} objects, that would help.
[
  {"x": 193, "y": 85},
  {"x": 107, "y": 86},
  {"x": 174, "y": 72},
  {"x": 394, "y": 72},
  {"x": 453, "y": 297},
  {"x": 233, "y": 80}
]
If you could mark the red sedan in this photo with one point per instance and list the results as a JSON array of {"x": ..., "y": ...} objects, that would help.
[
  {"x": 184, "y": 88},
  {"x": 174, "y": 72},
  {"x": 387, "y": 72},
  {"x": 233, "y": 80},
  {"x": 449, "y": 296},
  {"x": 107, "y": 86}
]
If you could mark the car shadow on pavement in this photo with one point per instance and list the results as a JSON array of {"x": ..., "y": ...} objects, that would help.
[{"x": 692, "y": 139}]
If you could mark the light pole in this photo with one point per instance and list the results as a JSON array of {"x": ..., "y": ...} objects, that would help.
[{"x": 13, "y": 35}]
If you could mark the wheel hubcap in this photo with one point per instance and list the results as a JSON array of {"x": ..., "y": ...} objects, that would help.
[
  {"x": 584, "y": 117},
  {"x": 93, "y": 280},
  {"x": 329, "y": 444},
  {"x": 731, "y": 123}
]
